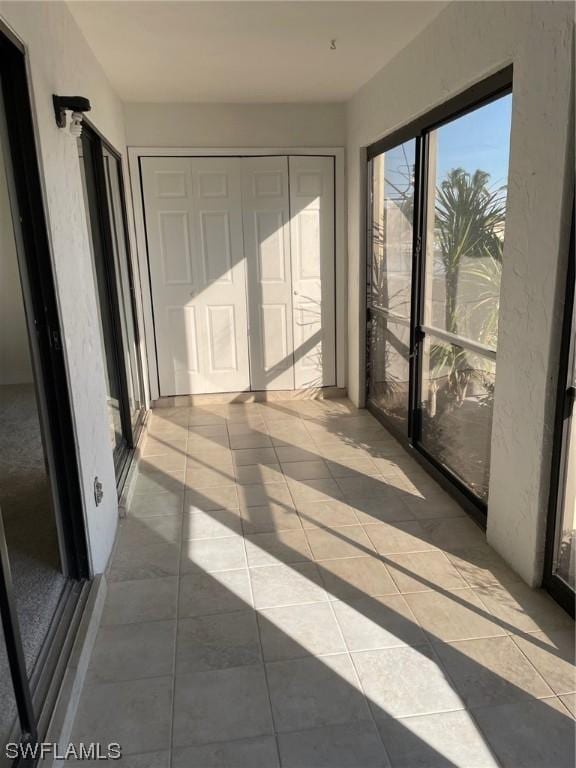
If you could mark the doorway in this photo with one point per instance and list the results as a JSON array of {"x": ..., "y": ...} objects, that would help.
[
  {"x": 43, "y": 548},
  {"x": 437, "y": 213},
  {"x": 242, "y": 272},
  {"x": 560, "y": 551}
]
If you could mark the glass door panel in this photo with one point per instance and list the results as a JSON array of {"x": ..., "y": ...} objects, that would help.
[
  {"x": 124, "y": 287},
  {"x": 466, "y": 215},
  {"x": 391, "y": 175}
]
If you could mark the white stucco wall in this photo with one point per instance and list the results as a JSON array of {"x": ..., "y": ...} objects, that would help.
[
  {"x": 235, "y": 125},
  {"x": 468, "y": 41},
  {"x": 61, "y": 62}
]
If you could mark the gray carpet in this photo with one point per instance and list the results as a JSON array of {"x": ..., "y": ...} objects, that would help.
[{"x": 30, "y": 529}]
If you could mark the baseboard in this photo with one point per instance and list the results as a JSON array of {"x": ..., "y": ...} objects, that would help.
[{"x": 271, "y": 395}]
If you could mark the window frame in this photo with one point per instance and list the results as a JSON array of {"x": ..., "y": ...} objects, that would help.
[
  {"x": 479, "y": 95},
  {"x": 99, "y": 219}
]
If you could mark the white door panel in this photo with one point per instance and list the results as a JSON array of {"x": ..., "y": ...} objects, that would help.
[
  {"x": 195, "y": 248},
  {"x": 312, "y": 241},
  {"x": 265, "y": 209}
]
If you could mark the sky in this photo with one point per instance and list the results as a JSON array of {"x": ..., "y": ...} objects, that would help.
[{"x": 478, "y": 140}]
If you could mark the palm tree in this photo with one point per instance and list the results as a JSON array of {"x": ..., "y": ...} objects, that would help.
[{"x": 469, "y": 222}]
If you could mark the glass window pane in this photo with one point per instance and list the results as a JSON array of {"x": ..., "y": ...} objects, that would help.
[
  {"x": 468, "y": 171},
  {"x": 389, "y": 373},
  {"x": 457, "y": 404},
  {"x": 103, "y": 300},
  {"x": 123, "y": 282},
  {"x": 391, "y": 231}
]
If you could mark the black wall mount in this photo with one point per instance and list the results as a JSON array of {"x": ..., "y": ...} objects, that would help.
[{"x": 72, "y": 103}]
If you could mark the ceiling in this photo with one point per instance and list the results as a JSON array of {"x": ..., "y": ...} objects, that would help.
[{"x": 246, "y": 51}]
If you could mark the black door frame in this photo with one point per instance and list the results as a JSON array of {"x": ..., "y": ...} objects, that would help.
[
  {"x": 478, "y": 95},
  {"x": 566, "y": 394},
  {"x": 101, "y": 228},
  {"x": 50, "y": 374}
]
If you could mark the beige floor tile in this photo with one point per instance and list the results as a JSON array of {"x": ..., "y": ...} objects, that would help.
[
  {"x": 158, "y": 482},
  {"x": 132, "y": 651},
  {"x": 140, "y": 601},
  {"x": 169, "y": 461},
  {"x": 335, "y": 746},
  {"x": 491, "y": 671},
  {"x": 259, "y": 495},
  {"x": 366, "y": 488},
  {"x": 430, "y": 508},
  {"x": 275, "y": 548},
  {"x": 350, "y": 541},
  {"x": 144, "y": 562},
  {"x": 326, "y": 514},
  {"x": 405, "y": 681},
  {"x": 258, "y": 474},
  {"x": 215, "y": 459},
  {"x": 157, "y": 504},
  {"x": 250, "y": 456},
  {"x": 278, "y": 585},
  {"x": 352, "y": 468},
  {"x": 201, "y": 417},
  {"x": 518, "y": 607},
  {"x": 535, "y": 734},
  {"x": 378, "y": 622},
  {"x": 554, "y": 656},
  {"x": 269, "y": 518},
  {"x": 311, "y": 692},
  {"x": 481, "y": 566},
  {"x": 221, "y": 705},
  {"x": 216, "y": 524},
  {"x": 569, "y": 701},
  {"x": 211, "y": 555},
  {"x": 422, "y": 571},
  {"x": 287, "y": 434},
  {"x": 134, "y": 713},
  {"x": 352, "y": 578},
  {"x": 199, "y": 479},
  {"x": 290, "y": 453},
  {"x": 198, "y": 446},
  {"x": 446, "y": 740},
  {"x": 454, "y": 534},
  {"x": 135, "y": 533},
  {"x": 301, "y": 630},
  {"x": 204, "y": 594},
  {"x": 314, "y": 490},
  {"x": 399, "y": 537},
  {"x": 217, "y": 497},
  {"x": 223, "y": 641},
  {"x": 259, "y": 752},
  {"x": 455, "y": 615},
  {"x": 306, "y": 470},
  {"x": 389, "y": 509},
  {"x": 254, "y": 439},
  {"x": 217, "y": 432}
]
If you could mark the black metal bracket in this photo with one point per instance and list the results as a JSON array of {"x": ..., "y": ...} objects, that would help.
[{"x": 71, "y": 103}]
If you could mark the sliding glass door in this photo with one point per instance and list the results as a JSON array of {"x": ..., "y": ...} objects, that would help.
[
  {"x": 104, "y": 196},
  {"x": 391, "y": 178},
  {"x": 437, "y": 214},
  {"x": 467, "y": 172}
]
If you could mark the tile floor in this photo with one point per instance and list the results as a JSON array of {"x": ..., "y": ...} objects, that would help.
[{"x": 290, "y": 588}]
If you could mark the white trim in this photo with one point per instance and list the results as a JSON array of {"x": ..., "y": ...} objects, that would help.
[{"x": 341, "y": 267}]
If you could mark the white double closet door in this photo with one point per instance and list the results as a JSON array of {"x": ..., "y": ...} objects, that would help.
[{"x": 241, "y": 255}]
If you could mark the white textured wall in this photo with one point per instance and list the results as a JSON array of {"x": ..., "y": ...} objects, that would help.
[
  {"x": 61, "y": 62},
  {"x": 235, "y": 125},
  {"x": 468, "y": 41}
]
